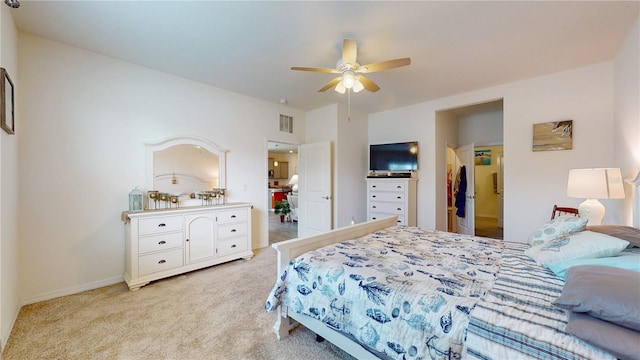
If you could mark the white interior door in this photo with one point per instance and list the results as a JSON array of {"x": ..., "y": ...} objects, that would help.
[
  {"x": 314, "y": 188},
  {"x": 466, "y": 158}
]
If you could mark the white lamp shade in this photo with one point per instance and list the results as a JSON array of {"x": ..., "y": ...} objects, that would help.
[
  {"x": 602, "y": 183},
  {"x": 348, "y": 79},
  {"x": 294, "y": 183},
  {"x": 357, "y": 86},
  {"x": 294, "y": 179}
]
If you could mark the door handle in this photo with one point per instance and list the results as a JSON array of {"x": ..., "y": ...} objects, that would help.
[{"x": 326, "y": 197}]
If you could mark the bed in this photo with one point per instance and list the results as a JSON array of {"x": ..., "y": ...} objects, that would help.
[{"x": 379, "y": 290}]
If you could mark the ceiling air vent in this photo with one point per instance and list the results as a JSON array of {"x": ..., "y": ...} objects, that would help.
[{"x": 286, "y": 123}]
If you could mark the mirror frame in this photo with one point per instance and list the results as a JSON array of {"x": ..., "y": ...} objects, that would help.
[{"x": 187, "y": 140}]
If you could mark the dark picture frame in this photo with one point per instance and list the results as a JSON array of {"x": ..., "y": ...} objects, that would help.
[{"x": 7, "y": 118}]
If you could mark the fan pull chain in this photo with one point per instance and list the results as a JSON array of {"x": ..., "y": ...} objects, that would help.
[{"x": 349, "y": 104}]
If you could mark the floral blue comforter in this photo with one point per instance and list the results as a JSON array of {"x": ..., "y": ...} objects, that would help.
[{"x": 404, "y": 292}]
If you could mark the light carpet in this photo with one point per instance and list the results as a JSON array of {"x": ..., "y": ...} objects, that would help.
[{"x": 213, "y": 313}]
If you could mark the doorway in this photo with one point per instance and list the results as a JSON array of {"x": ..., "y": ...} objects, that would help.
[
  {"x": 282, "y": 170},
  {"x": 488, "y": 175},
  {"x": 480, "y": 127}
]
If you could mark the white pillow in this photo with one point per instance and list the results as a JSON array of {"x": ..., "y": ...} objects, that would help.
[
  {"x": 557, "y": 228},
  {"x": 582, "y": 245}
]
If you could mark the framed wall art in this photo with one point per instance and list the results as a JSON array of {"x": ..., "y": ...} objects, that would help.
[
  {"x": 7, "y": 118},
  {"x": 550, "y": 136},
  {"x": 483, "y": 157}
]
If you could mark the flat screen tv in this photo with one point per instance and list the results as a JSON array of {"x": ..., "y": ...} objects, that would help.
[{"x": 394, "y": 157}]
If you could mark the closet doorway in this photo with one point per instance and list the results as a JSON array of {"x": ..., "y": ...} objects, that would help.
[{"x": 482, "y": 126}]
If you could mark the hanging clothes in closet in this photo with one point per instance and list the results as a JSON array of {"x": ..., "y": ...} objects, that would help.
[{"x": 460, "y": 191}]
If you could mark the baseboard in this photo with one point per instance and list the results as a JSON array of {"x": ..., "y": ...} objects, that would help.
[
  {"x": 7, "y": 332},
  {"x": 72, "y": 290}
]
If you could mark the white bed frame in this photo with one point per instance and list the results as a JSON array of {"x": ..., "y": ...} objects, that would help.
[{"x": 290, "y": 249}]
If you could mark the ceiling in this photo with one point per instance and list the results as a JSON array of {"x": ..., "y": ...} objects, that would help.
[{"x": 249, "y": 47}]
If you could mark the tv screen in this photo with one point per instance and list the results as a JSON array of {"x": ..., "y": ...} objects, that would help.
[{"x": 394, "y": 157}]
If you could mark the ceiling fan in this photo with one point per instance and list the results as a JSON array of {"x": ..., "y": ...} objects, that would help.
[{"x": 352, "y": 73}]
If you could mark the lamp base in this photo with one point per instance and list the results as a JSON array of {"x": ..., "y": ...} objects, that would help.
[{"x": 593, "y": 210}]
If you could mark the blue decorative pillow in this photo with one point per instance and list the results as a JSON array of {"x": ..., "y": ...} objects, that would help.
[
  {"x": 557, "y": 228},
  {"x": 582, "y": 245},
  {"x": 625, "y": 260}
]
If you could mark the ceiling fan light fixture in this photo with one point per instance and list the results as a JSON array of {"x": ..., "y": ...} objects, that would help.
[
  {"x": 357, "y": 86},
  {"x": 348, "y": 79},
  {"x": 351, "y": 72}
]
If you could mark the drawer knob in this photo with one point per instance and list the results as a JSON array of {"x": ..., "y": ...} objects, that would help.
[
  {"x": 233, "y": 216},
  {"x": 374, "y": 207},
  {"x": 373, "y": 186},
  {"x": 233, "y": 230},
  {"x": 162, "y": 225},
  {"x": 234, "y": 245},
  {"x": 399, "y": 209},
  {"x": 398, "y": 187},
  {"x": 162, "y": 242},
  {"x": 399, "y": 197},
  {"x": 373, "y": 196},
  {"x": 162, "y": 261}
]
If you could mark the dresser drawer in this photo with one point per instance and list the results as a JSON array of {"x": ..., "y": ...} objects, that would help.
[
  {"x": 232, "y": 216},
  {"x": 159, "y": 225},
  {"x": 386, "y": 196},
  {"x": 377, "y": 216},
  {"x": 232, "y": 246},
  {"x": 387, "y": 186},
  {"x": 231, "y": 230},
  {"x": 160, "y": 242},
  {"x": 165, "y": 260},
  {"x": 386, "y": 208}
]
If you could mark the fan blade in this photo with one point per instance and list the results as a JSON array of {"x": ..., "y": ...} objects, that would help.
[
  {"x": 322, "y": 70},
  {"x": 368, "y": 84},
  {"x": 384, "y": 65},
  {"x": 330, "y": 84},
  {"x": 349, "y": 52}
]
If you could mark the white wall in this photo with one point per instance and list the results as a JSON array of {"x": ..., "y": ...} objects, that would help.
[
  {"x": 481, "y": 129},
  {"x": 533, "y": 181},
  {"x": 349, "y": 158},
  {"x": 9, "y": 252},
  {"x": 627, "y": 116},
  {"x": 84, "y": 123},
  {"x": 352, "y": 151}
]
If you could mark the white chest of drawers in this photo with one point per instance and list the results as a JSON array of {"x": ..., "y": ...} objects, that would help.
[
  {"x": 392, "y": 196},
  {"x": 164, "y": 243}
]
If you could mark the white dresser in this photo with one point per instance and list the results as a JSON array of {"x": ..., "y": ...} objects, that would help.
[
  {"x": 163, "y": 243},
  {"x": 392, "y": 196}
]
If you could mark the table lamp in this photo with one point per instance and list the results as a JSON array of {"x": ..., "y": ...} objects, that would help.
[
  {"x": 294, "y": 182},
  {"x": 594, "y": 184}
]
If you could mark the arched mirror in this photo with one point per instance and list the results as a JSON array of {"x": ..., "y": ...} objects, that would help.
[{"x": 183, "y": 166}]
